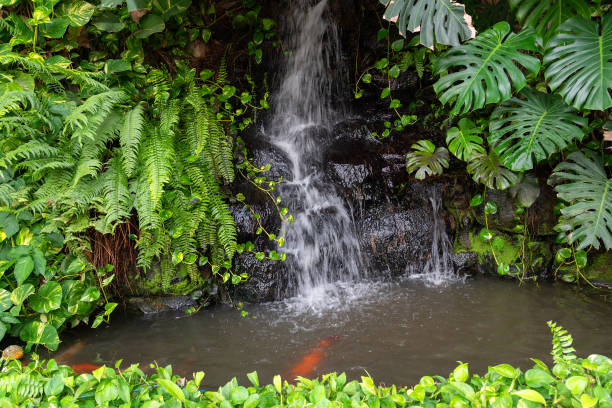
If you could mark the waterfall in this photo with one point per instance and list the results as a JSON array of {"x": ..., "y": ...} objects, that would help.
[
  {"x": 439, "y": 268},
  {"x": 322, "y": 247}
]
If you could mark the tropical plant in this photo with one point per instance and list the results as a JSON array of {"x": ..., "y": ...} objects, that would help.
[
  {"x": 546, "y": 16},
  {"x": 427, "y": 159},
  {"x": 579, "y": 62},
  {"x": 488, "y": 68},
  {"x": 487, "y": 168},
  {"x": 572, "y": 382},
  {"x": 526, "y": 131},
  {"x": 534, "y": 116},
  {"x": 437, "y": 21},
  {"x": 464, "y": 141},
  {"x": 101, "y": 142},
  {"x": 582, "y": 181}
]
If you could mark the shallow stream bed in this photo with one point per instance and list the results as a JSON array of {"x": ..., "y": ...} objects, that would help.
[{"x": 395, "y": 332}]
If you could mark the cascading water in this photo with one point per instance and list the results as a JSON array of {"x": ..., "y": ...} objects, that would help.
[
  {"x": 322, "y": 244},
  {"x": 439, "y": 268}
]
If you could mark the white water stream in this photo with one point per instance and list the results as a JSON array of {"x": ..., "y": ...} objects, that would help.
[{"x": 322, "y": 245}]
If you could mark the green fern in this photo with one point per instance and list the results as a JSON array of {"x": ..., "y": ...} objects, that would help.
[
  {"x": 159, "y": 157},
  {"x": 117, "y": 203},
  {"x": 562, "y": 350},
  {"x": 130, "y": 136}
]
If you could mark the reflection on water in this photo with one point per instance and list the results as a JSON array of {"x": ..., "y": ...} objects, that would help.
[{"x": 397, "y": 332}]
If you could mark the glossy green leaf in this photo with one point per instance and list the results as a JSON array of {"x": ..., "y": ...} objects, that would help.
[
  {"x": 397, "y": 45},
  {"x": 536, "y": 378},
  {"x": 486, "y": 69},
  {"x": 21, "y": 293},
  {"x": 463, "y": 141},
  {"x": 168, "y": 8},
  {"x": 172, "y": 389},
  {"x": 23, "y": 268},
  {"x": 577, "y": 384},
  {"x": 48, "y": 298},
  {"x": 490, "y": 208},
  {"x": 108, "y": 21},
  {"x": 91, "y": 294},
  {"x": 436, "y": 21},
  {"x": 77, "y": 11},
  {"x": 505, "y": 370},
  {"x": 583, "y": 182},
  {"x": 5, "y": 300},
  {"x": 56, "y": 28},
  {"x": 36, "y": 332},
  {"x": 527, "y": 131},
  {"x": 545, "y": 16},
  {"x": 579, "y": 62},
  {"x": 581, "y": 258},
  {"x": 150, "y": 24},
  {"x": 485, "y": 234},
  {"x": 476, "y": 200},
  {"x": 498, "y": 244},
  {"x": 461, "y": 373},
  {"x": 531, "y": 395},
  {"x": 107, "y": 390},
  {"x": 488, "y": 169},
  {"x": 426, "y": 160}
]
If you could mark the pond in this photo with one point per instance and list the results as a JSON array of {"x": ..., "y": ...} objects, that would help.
[{"x": 396, "y": 332}]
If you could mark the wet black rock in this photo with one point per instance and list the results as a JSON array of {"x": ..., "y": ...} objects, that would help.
[
  {"x": 264, "y": 278},
  {"x": 159, "y": 304},
  {"x": 396, "y": 234}
]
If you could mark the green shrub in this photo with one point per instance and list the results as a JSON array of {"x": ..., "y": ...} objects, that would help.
[{"x": 572, "y": 382}]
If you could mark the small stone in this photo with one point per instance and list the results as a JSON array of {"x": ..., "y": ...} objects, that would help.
[{"x": 12, "y": 353}]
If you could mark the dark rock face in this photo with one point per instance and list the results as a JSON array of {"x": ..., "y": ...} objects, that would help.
[
  {"x": 151, "y": 305},
  {"x": 264, "y": 278}
]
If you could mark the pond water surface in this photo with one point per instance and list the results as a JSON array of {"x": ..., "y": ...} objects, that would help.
[{"x": 395, "y": 332}]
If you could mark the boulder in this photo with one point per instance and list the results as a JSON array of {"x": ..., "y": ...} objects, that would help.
[
  {"x": 264, "y": 278},
  {"x": 160, "y": 304}
]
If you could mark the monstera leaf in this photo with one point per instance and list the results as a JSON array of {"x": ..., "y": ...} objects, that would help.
[
  {"x": 486, "y": 68},
  {"x": 526, "y": 131},
  {"x": 464, "y": 141},
  {"x": 579, "y": 59},
  {"x": 487, "y": 169},
  {"x": 168, "y": 8},
  {"x": 583, "y": 183},
  {"x": 546, "y": 15},
  {"x": 441, "y": 21},
  {"x": 427, "y": 160}
]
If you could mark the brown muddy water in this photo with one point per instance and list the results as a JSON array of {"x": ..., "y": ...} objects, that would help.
[{"x": 395, "y": 332}]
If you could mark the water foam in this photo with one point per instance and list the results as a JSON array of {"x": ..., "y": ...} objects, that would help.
[
  {"x": 439, "y": 269},
  {"x": 322, "y": 247}
]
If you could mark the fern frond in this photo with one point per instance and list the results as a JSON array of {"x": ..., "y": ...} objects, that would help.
[
  {"x": 116, "y": 193},
  {"x": 88, "y": 81},
  {"x": 38, "y": 70},
  {"x": 220, "y": 149},
  {"x": 6, "y": 192},
  {"x": 562, "y": 350},
  {"x": 222, "y": 73},
  {"x": 169, "y": 118},
  {"x": 159, "y": 157},
  {"x": 130, "y": 136},
  {"x": 33, "y": 149},
  {"x": 148, "y": 217},
  {"x": 86, "y": 118}
]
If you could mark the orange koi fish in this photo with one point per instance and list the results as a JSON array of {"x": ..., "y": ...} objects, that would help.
[
  {"x": 72, "y": 350},
  {"x": 309, "y": 362},
  {"x": 84, "y": 368}
]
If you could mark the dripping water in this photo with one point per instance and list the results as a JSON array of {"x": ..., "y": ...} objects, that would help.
[
  {"x": 438, "y": 269},
  {"x": 321, "y": 246}
]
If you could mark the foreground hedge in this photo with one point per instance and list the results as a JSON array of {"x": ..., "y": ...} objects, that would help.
[{"x": 572, "y": 382}]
